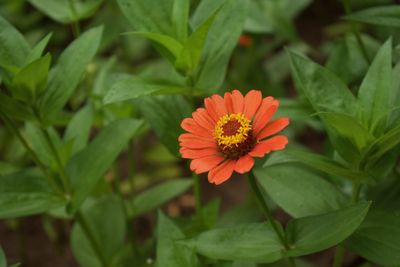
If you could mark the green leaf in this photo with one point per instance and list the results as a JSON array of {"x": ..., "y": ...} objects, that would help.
[
  {"x": 15, "y": 109},
  {"x": 171, "y": 45},
  {"x": 378, "y": 238},
  {"x": 30, "y": 82},
  {"x": 315, "y": 233},
  {"x": 180, "y": 16},
  {"x": 78, "y": 129},
  {"x": 102, "y": 151},
  {"x": 386, "y": 194},
  {"x": 150, "y": 16},
  {"x": 189, "y": 57},
  {"x": 13, "y": 47},
  {"x": 383, "y": 16},
  {"x": 169, "y": 252},
  {"x": 349, "y": 128},
  {"x": 303, "y": 194},
  {"x": 323, "y": 89},
  {"x": 67, "y": 73},
  {"x": 255, "y": 242},
  {"x": 220, "y": 41},
  {"x": 158, "y": 195},
  {"x": 37, "y": 51},
  {"x": 134, "y": 87},
  {"x": 313, "y": 160},
  {"x": 67, "y": 11},
  {"x": 375, "y": 91},
  {"x": 26, "y": 193},
  {"x": 165, "y": 114},
  {"x": 3, "y": 261},
  {"x": 105, "y": 217}
]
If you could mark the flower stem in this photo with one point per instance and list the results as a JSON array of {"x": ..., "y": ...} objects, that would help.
[
  {"x": 13, "y": 128},
  {"x": 340, "y": 251},
  {"x": 268, "y": 214}
]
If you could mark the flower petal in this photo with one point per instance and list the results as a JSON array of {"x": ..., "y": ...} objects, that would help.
[
  {"x": 244, "y": 164},
  {"x": 264, "y": 118},
  {"x": 191, "y": 126},
  {"x": 222, "y": 172},
  {"x": 205, "y": 164},
  {"x": 188, "y": 153},
  {"x": 273, "y": 127},
  {"x": 196, "y": 143},
  {"x": 211, "y": 109},
  {"x": 203, "y": 119},
  {"x": 238, "y": 101},
  {"x": 252, "y": 102},
  {"x": 275, "y": 143},
  {"x": 228, "y": 102},
  {"x": 266, "y": 103},
  {"x": 194, "y": 137},
  {"x": 219, "y": 105}
]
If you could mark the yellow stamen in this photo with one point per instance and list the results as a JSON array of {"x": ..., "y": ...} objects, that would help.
[{"x": 236, "y": 138}]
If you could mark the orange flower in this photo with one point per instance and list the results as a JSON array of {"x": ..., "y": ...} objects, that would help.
[
  {"x": 245, "y": 40},
  {"x": 225, "y": 135}
]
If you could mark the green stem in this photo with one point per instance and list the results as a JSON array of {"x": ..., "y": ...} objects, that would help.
[
  {"x": 13, "y": 128},
  {"x": 347, "y": 8},
  {"x": 132, "y": 164},
  {"x": 340, "y": 251},
  {"x": 92, "y": 239},
  {"x": 268, "y": 214},
  {"x": 76, "y": 30}
]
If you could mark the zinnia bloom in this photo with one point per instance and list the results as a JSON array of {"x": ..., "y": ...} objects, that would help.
[
  {"x": 245, "y": 40},
  {"x": 225, "y": 135}
]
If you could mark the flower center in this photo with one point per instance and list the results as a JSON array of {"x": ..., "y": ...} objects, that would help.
[{"x": 233, "y": 134}]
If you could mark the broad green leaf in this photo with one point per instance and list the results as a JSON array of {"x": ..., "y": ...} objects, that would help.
[
  {"x": 150, "y": 16},
  {"x": 378, "y": 238},
  {"x": 15, "y": 109},
  {"x": 105, "y": 217},
  {"x": 100, "y": 87},
  {"x": 7, "y": 168},
  {"x": 189, "y": 57},
  {"x": 165, "y": 114},
  {"x": 68, "y": 71},
  {"x": 171, "y": 45},
  {"x": 13, "y": 47},
  {"x": 349, "y": 128},
  {"x": 255, "y": 242},
  {"x": 313, "y": 160},
  {"x": 78, "y": 129},
  {"x": 315, "y": 233},
  {"x": 375, "y": 91},
  {"x": 37, "y": 51},
  {"x": 180, "y": 17},
  {"x": 26, "y": 193},
  {"x": 323, "y": 89},
  {"x": 67, "y": 11},
  {"x": 3, "y": 261},
  {"x": 102, "y": 151},
  {"x": 30, "y": 82},
  {"x": 386, "y": 194},
  {"x": 242, "y": 213},
  {"x": 220, "y": 42},
  {"x": 169, "y": 252},
  {"x": 303, "y": 194},
  {"x": 383, "y": 15},
  {"x": 395, "y": 97},
  {"x": 158, "y": 195},
  {"x": 134, "y": 87}
]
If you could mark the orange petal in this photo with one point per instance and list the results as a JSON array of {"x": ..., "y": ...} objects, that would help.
[
  {"x": 252, "y": 102},
  {"x": 205, "y": 164},
  {"x": 196, "y": 143},
  {"x": 238, "y": 101},
  {"x": 273, "y": 127},
  {"x": 222, "y": 172},
  {"x": 211, "y": 108},
  {"x": 275, "y": 143},
  {"x": 266, "y": 103},
  {"x": 193, "y": 137},
  {"x": 260, "y": 123},
  {"x": 244, "y": 164},
  {"x": 228, "y": 102},
  {"x": 219, "y": 105},
  {"x": 191, "y": 126},
  {"x": 203, "y": 119},
  {"x": 188, "y": 153}
]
